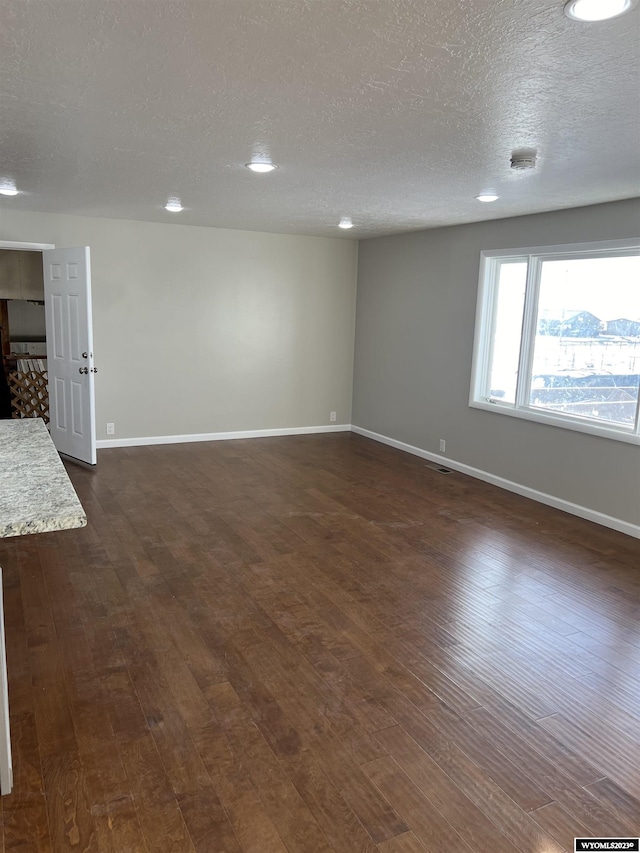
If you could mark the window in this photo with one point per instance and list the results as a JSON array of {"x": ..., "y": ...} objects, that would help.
[{"x": 558, "y": 337}]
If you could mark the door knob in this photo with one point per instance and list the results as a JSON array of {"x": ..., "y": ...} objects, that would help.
[
  {"x": 94, "y": 370},
  {"x": 85, "y": 355},
  {"x": 83, "y": 370}
]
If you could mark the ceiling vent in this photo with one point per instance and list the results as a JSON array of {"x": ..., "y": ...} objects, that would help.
[{"x": 524, "y": 158}]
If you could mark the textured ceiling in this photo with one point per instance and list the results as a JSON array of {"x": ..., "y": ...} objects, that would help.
[{"x": 395, "y": 112}]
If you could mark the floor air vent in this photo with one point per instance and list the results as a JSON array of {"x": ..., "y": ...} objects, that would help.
[{"x": 439, "y": 468}]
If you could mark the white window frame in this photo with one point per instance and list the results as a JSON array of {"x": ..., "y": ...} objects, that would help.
[{"x": 486, "y": 316}]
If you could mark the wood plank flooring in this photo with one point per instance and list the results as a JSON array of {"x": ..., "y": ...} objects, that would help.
[{"x": 314, "y": 644}]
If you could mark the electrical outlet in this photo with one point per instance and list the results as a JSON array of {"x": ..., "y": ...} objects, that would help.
[
  {"x": 443, "y": 445},
  {"x": 111, "y": 429},
  {"x": 332, "y": 416}
]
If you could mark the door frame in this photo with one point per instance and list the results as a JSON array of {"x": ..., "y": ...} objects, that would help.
[
  {"x": 26, "y": 247},
  {"x": 17, "y": 245}
]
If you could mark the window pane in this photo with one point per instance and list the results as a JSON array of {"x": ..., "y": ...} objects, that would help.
[
  {"x": 505, "y": 350},
  {"x": 587, "y": 345}
]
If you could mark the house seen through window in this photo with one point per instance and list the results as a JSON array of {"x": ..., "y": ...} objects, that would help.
[{"x": 558, "y": 337}]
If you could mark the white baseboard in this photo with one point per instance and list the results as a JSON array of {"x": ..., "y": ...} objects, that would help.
[
  {"x": 543, "y": 498},
  {"x": 102, "y": 443}
]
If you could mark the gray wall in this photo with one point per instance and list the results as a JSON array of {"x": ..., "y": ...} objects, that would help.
[
  {"x": 415, "y": 321},
  {"x": 26, "y": 320},
  {"x": 202, "y": 330}
]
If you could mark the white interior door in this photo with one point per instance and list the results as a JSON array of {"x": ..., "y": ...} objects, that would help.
[{"x": 67, "y": 300}]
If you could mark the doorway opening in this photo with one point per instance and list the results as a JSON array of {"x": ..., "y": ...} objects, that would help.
[{"x": 23, "y": 342}]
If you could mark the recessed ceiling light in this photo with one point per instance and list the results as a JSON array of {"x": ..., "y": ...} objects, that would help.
[
  {"x": 261, "y": 167},
  {"x": 345, "y": 222},
  {"x": 8, "y": 188},
  {"x": 174, "y": 205},
  {"x": 597, "y": 10},
  {"x": 487, "y": 197}
]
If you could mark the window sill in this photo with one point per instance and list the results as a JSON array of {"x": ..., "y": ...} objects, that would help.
[{"x": 563, "y": 423}]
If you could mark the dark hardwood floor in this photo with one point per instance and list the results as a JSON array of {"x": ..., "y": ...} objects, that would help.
[{"x": 318, "y": 644}]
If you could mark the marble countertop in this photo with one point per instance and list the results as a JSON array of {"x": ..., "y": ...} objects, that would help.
[{"x": 36, "y": 495}]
